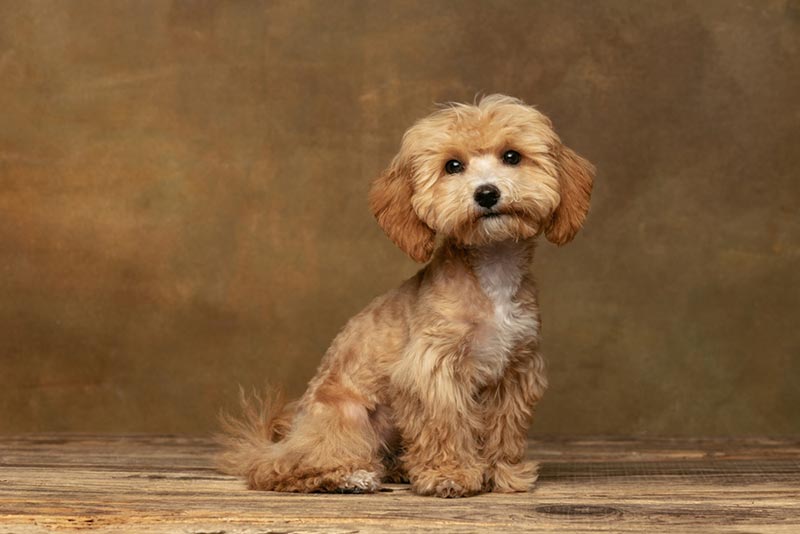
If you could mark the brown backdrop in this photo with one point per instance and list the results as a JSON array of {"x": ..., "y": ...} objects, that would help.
[{"x": 183, "y": 200}]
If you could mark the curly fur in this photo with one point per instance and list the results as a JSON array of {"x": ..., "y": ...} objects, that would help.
[{"x": 436, "y": 381}]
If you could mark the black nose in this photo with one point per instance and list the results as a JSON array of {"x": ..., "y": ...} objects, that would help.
[{"x": 487, "y": 195}]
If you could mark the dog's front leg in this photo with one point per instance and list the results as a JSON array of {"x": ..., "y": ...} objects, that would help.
[
  {"x": 508, "y": 408},
  {"x": 438, "y": 418}
]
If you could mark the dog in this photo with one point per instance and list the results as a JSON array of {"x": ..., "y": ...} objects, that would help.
[{"x": 435, "y": 383}]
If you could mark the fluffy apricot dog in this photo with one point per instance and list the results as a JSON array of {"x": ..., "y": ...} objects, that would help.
[{"x": 435, "y": 382}]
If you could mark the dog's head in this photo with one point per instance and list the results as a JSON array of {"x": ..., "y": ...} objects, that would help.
[{"x": 479, "y": 174}]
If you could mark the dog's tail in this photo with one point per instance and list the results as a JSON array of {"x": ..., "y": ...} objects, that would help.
[{"x": 264, "y": 420}]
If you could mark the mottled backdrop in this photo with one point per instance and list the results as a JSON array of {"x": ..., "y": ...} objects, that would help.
[{"x": 183, "y": 200}]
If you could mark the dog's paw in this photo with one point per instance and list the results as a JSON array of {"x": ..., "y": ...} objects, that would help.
[
  {"x": 447, "y": 485},
  {"x": 448, "y": 489},
  {"x": 360, "y": 481},
  {"x": 508, "y": 478}
]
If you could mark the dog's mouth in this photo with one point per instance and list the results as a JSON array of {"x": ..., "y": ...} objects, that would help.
[
  {"x": 493, "y": 215},
  {"x": 504, "y": 217},
  {"x": 506, "y": 222},
  {"x": 497, "y": 214}
]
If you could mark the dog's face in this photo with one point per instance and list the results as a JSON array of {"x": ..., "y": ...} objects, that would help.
[{"x": 481, "y": 174}]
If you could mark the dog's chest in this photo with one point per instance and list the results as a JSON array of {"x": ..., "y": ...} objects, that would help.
[{"x": 508, "y": 322}]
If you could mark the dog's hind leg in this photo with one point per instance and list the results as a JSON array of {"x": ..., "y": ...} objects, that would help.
[{"x": 331, "y": 447}]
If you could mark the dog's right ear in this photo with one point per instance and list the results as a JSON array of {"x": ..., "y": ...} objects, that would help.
[{"x": 390, "y": 201}]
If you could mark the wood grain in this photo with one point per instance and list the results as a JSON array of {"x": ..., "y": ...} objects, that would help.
[{"x": 167, "y": 484}]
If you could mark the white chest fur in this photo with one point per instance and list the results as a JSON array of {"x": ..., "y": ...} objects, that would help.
[{"x": 500, "y": 270}]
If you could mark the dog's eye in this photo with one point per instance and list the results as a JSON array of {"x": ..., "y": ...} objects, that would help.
[
  {"x": 511, "y": 157},
  {"x": 454, "y": 167}
]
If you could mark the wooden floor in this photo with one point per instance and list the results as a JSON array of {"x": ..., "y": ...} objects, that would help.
[{"x": 166, "y": 484}]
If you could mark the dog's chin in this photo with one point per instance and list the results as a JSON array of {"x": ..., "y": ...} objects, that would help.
[{"x": 495, "y": 227}]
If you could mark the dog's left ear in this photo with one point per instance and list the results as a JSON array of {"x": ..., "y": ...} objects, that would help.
[
  {"x": 390, "y": 201},
  {"x": 575, "y": 177}
]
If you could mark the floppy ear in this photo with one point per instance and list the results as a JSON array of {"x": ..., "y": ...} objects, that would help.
[
  {"x": 575, "y": 177},
  {"x": 390, "y": 201}
]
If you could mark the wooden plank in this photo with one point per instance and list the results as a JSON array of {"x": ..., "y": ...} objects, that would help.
[{"x": 166, "y": 484}]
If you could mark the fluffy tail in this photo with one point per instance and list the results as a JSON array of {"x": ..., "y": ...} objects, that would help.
[{"x": 264, "y": 420}]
